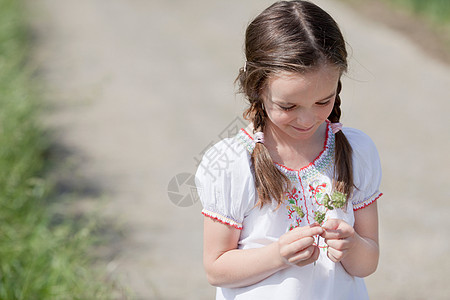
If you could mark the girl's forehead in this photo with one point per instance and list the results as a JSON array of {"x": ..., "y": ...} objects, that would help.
[
  {"x": 289, "y": 82},
  {"x": 323, "y": 72}
]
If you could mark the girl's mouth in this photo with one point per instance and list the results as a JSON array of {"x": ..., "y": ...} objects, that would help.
[{"x": 303, "y": 129}]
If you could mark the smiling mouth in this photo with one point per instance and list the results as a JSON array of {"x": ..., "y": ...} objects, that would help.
[{"x": 303, "y": 129}]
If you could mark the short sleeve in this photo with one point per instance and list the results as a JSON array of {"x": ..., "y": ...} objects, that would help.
[
  {"x": 366, "y": 169},
  {"x": 225, "y": 182}
]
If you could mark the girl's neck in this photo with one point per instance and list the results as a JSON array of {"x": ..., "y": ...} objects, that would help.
[{"x": 294, "y": 153}]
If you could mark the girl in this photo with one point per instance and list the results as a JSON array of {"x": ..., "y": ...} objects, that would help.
[{"x": 289, "y": 202}]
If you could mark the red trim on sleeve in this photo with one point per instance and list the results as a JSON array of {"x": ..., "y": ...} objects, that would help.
[
  {"x": 368, "y": 203},
  {"x": 216, "y": 218}
]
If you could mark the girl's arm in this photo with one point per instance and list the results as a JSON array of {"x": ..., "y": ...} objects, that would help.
[
  {"x": 227, "y": 266},
  {"x": 355, "y": 247}
]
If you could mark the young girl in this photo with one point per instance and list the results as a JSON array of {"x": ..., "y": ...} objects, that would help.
[{"x": 289, "y": 202}]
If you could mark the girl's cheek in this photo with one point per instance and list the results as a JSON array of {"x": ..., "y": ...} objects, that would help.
[
  {"x": 276, "y": 117},
  {"x": 327, "y": 111},
  {"x": 282, "y": 116}
]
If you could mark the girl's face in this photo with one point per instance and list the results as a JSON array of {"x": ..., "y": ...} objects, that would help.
[{"x": 297, "y": 104}]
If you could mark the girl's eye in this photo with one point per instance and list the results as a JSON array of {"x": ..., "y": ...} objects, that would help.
[
  {"x": 287, "y": 108},
  {"x": 324, "y": 103}
]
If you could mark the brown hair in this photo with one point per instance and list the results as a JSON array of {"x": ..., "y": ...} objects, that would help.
[{"x": 292, "y": 36}]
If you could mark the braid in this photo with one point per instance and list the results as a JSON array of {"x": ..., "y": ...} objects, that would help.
[
  {"x": 335, "y": 115},
  {"x": 259, "y": 120},
  {"x": 269, "y": 181},
  {"x": 342, "y": 152}
]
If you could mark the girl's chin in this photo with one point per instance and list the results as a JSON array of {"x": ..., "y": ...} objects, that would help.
[
  {"x": 301, "y": 133},
  {"x": 296, "y": 135}
]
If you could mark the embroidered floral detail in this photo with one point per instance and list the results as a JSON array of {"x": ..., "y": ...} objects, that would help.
[
  {"x": 322, "y": 200},
  {"x": 308, "y": 205},
  {"x": 294, "y": 208},
  {"x": 311, "y": 197},
  {"x": 317, "y": 191}
]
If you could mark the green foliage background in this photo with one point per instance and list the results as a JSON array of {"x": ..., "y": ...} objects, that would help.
[
  {"x": 38, "y": 259},
  {"x": 437, "y": 11}
]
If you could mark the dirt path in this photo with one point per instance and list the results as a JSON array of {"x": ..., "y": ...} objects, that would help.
[{"x": 140, "y": 88}]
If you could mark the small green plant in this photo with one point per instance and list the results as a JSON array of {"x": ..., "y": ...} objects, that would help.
[
  {"x": 336, "y": 200},
  {"x": 299, "y": 211},
  {"x": 319, "y": 217}
]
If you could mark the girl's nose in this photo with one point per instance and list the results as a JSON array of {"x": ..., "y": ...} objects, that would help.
[{"x": 305, "y": 119}]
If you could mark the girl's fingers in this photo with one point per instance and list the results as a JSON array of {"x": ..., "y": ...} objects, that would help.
[
  {"x": 337, "y": 229},
  {"x": 331, "y": 234},
  {"x": 306, "y": 231},
  {"x": 335, "y": 255},
  {"x": 299, "y": 233},
  {"x": 312, "y": 258},
  {"x": 296, "y": 246},
  {"x": 306, "y": 256},
  {"x": 293, "y": 245},
  {"x": 302, "y": 255},
  {"x": 340, "y": 245}
]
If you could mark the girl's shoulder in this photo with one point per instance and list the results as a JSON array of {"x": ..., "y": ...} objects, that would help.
[
  {"x": 230, "y": 154},
  {"x": 367, "y": 171},
  {"x": 361, "y": 143},
  {"x": 366, "y": 159},
  {"x": 225, "y": 183},
  {"x": 239, "y": 146}
]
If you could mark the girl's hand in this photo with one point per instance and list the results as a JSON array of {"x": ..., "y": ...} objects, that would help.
[
  {"x": 340, "y": 238},
  {"x": 296, "y": 246}
]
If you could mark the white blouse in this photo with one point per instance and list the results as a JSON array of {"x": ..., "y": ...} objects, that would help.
[{"x": 226, "y": 187}]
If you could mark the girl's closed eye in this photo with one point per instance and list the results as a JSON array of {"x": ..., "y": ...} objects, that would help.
[
  {"x": 286, "y": 108},
  {"x": 324, "y": 103}
]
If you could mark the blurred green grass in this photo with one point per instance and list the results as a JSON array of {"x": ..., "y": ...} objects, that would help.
[
  {"x": 425, "y": 22},
  {"x": 38, "y": 259},
  {"x": 437, "y": 11},
  {"x": 434, "y": 14}
]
